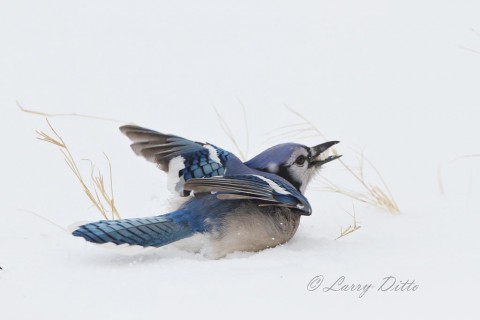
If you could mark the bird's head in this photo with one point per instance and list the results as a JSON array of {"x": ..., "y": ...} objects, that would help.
[{"x": 294, "y": 162}]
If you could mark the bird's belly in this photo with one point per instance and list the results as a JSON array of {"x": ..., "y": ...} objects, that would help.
[{"x": 253, "y": 229}]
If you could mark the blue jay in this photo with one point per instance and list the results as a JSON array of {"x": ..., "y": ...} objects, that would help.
[{"x": 236, "y": 206}]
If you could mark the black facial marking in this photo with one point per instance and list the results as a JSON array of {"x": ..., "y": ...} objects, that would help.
[
  {"x": 309, "y": 153},
  {"x": 283, "y": 172}
]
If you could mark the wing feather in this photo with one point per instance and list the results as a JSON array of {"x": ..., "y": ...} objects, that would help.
[
  {"x": 181, "y": 158},
  {"x": 252, "y": 187}
]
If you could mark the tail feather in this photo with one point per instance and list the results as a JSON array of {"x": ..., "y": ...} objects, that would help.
[{"x": 146, "y": 232}]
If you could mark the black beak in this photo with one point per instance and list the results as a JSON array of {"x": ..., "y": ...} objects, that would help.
[{"x": 320, "y": 155}]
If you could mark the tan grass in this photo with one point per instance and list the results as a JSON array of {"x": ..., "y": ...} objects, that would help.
[
  {"x": 44, "y": 114},
  {"x": 351, "y": 228},
  {"x": 370, "y": 193},
  {"x": 98, "y": 195}
]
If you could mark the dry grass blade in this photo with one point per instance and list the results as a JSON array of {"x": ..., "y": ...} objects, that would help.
[
  {"x": 44, "y": 137},
  {"x": 231, "y": 136},
  {"x": 99, "y": 186},
  {"x": 455, "y": 160},
  {"x": 44, "y": 114},
  {"x": 293, "y": 125},
  {"x": 45, "y": 219},
  {"x": 247, "y": 131},
  {"x": 351, "y": 228},
  {"x": 469, "y": 49},
  {"x": 290, "y": 134},
  {"x": 465, "y": 157},
  {"x": 371, "y": 194}
]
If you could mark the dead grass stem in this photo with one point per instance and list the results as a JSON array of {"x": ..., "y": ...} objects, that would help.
[
  {"x": 228, "y": 131},
  {"x": 98, "y": 195},
  {"x": 351, "y": 228},
  {"x": 44, "y": 114}
]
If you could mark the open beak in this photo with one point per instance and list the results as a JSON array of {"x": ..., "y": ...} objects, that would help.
[{"x": 321, "y": 153}]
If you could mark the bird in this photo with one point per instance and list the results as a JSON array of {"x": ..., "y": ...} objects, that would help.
[{"x": 230, "y": 205}]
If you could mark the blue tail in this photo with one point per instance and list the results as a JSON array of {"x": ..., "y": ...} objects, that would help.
[{"x": 147, "y": 232}]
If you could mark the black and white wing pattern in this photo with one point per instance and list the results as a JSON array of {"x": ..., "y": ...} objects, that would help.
[
  {"x": 181, "y": 158},
  {"x": 268, "y": 190}
]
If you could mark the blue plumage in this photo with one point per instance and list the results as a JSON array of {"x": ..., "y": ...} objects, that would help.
[
  {"x": 236, "y": 206},
  {"x": 199, "y": 164},
  {"x": 147, "y": 232}
]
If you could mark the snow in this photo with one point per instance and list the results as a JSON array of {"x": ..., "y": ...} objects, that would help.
[{"x": 396, "y": 80}]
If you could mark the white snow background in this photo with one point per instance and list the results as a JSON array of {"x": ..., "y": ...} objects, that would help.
[{"x": 399, "y": 80}]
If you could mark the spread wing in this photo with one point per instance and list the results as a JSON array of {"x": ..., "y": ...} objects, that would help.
[
  {"x": 181, "y": 158},
  {"x": 269, "y": 191}
]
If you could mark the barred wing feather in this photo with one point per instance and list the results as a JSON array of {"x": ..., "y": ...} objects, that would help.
[
  {"x": 181, "y": 158},
  {"x": 268, "y": 191}
]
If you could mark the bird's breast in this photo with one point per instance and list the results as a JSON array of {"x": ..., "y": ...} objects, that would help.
[{"x": 253, "y": 228}]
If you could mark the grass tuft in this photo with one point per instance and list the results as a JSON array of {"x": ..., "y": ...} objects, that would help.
[{"x": 101, "y": 199}]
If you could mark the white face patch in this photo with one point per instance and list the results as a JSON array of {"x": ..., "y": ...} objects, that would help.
[
  {"x": 300, "y": 174},
  {"x": 272, "y": 167},
  {"x": 212, "y": 153},
  {"x": 297, "y": 153},
  {"x": 174, "y": 182},
  {"x": 273, "y": 185},
  {"x": 309, "y": 173}
]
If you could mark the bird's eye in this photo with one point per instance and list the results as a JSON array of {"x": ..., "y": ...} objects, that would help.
[{"x": 300, "y": 160}]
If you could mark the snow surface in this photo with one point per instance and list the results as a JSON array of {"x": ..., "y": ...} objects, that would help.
[{"x": 396, "y": 79}]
